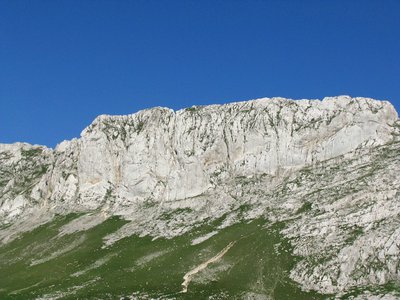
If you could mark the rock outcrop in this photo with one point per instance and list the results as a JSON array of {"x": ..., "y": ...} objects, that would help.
[{"x": 328, "y": 169}]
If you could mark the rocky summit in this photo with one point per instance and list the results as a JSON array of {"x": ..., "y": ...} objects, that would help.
[{"x": 262, "y": 199}]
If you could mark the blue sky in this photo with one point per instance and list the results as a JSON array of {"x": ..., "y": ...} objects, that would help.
[{"x": 62, "y": 63}]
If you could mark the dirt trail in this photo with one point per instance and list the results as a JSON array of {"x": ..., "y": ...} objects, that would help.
[{"x": 188, "y": 276}]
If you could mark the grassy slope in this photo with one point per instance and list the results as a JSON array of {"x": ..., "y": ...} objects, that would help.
[{"x": 258, "y": 263}]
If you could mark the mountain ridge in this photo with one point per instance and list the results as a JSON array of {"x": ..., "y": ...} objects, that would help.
[{"x": 307, "y": 163}]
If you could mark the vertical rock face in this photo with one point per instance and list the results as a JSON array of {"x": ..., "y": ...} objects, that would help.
[
  {"x": 211, "y": 160},
  {"x": 160, "y": 153}
]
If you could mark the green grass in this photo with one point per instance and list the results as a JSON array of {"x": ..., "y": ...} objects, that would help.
[
  {"x": 33, "y": 152},
  {"x": 304, "y": 208},
  {"x": 258, "y": 263},
  {"x": 191, "y": 109}
]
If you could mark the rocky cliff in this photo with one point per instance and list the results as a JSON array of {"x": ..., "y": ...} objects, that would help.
[{"x": 327, "y": 170}]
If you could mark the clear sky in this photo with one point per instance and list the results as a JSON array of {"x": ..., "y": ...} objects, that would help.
[{"x": 62, "y": 63}]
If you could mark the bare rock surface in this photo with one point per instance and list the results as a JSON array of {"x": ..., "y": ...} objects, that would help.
[{"x": 328, "y": 169}]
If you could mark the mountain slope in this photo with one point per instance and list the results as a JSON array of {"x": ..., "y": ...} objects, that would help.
[{"x": 302, "y": 195}]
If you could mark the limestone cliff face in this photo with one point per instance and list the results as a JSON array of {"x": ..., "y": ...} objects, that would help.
[
  {"x": 167, "y": 155},
  {"x": 162, "y": 155},
  {"x": 173, "y": 155},
  {"x": 202, "y": 159}
]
